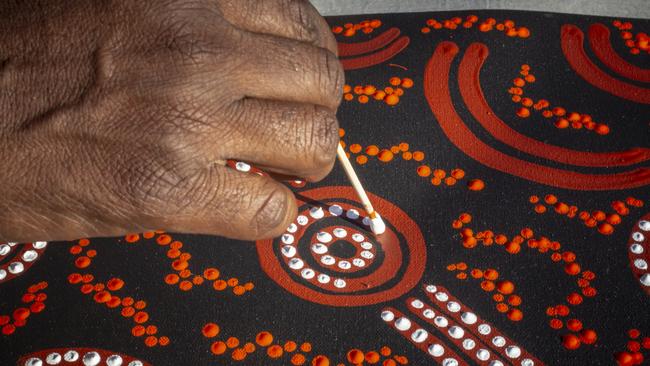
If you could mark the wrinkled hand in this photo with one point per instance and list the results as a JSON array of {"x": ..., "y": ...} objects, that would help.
[{"x": 119, "y": 116}]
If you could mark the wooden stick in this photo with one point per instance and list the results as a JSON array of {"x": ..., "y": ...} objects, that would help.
[{"x": 377, "y": 225}]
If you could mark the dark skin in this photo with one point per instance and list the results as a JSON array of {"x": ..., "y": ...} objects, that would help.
[{"x": 119, "y": 116}]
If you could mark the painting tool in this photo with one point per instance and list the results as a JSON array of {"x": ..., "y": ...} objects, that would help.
[{"x": 376, "y": 223}]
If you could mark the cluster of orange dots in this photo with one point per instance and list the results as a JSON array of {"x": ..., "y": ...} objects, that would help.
[
  {"x": 563, "y": 119},
  {"x": 389, "y": 95},
  {"x": 350, "y": 29},
  {"x": 130, "y": 308},
  {"x": 635, "y": 42},
  {"x": 507, "y": 301},
  {"x": 264, "y": 340},
  {"x": 85, "y": 260},
  {"x": 579, "y": 335},
  {"x": 489, "y": 24},
  {"x": 382, "y": 357},
  {"x": 184, "y": 278},
  {"x": 605, "y": 222},
  {"x": 438, "y": 176},
  {"x": 632, "y": 355},
  {"x": 18, "y": 318}
]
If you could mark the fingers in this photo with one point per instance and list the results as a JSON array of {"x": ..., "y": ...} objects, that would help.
[
  {"x": 288, "y": 138},
  {"x": 294, "y": 19},
  {"x": 281, "y": 69},
  {"x": 223, "y": 201}
]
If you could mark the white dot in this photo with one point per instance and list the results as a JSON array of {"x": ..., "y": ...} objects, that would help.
[
  {"x": 114, "y": 360},
  {"x": 645, "y": 279},
  {"x": 417, "y": 304},
  {"x": 91, "y": 359},
  {"x": 638, "y": 237},
  {"x": 135, "y": 363},
  {"x": 441, "y": 321},
  {"x": 316, "y": 212},
  {"x": 345, "y": 265},
  {"x": 12, "y": 244},
  {"x": 39, "y": 244},
  {"x": 292, "y": 228},
  {"x": 366, "y": 221},
  {"x": 419, "y": 336},
  {"x": 499, "y": 341},
  {"x": 296, "y": 263},
  {"x": 358, "y": 237},
  {"x": 468, "y": 318},
  {"x": 327, "y": 260},
  {"x": 449, "y": 362},
  {"x": 340, "y": 232},
  {"x": 359, "y": 262},
  {"x": 323, "y": 278},
  {"x": 307, "y": 273},
  {"x": 527, "y": 362},
  {"x": 453, "y": 306},
  {"x": 34, "y": 362},
  {"x": 387, "y": 316},
  {"x": 366, "y": 254},
  {"x": 429, "y": 314},
  {"x": 71, "y": 356},
  {"x": 644, "y": 225},
  {"x": 53, "y": 359},
  {"x": 513, "y": 351},
  {"x": 339, "y": 283},
  {"x": 403, "y": 324},
  {"x": 16, "y": 267},
  {"x": 365, "y": 245},
  {"x": 324, "y": 237},
  {"x": 288, "y": 251},
  {"x": 431, "y": 289},
  {"x": 483, "y": 354},
  {"x": 468, "y": 344},
  {"x": 319, "y": 248},
  {"x": 4, "y": 249},
  {"x": 352, "y": 214},
  {"x": 496, "y": 363},
  {"x": 484, "y": 329},
  {"x": 456, "y": 332},
  {"x": 335, "y": 210},
  {"x": 242, "y": 167},
  {"x": 436, "y": 350},
  {"x": 302, "y": 220},
  {"x": 3, "y": 274},
  {"x": 441, "y": 296},
  {"x": 287, "y": 238},
  {"x": 636, "y": 248},
  {"x": 640, "y": 264}
]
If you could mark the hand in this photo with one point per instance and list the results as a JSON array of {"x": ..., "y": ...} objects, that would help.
[{"x": 118, "y": 117}]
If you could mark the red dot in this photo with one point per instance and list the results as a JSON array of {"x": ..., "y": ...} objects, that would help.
[
  {"x": 8, "y": 329},
  {"x": 588, "y": 336},
  {"x": 570, "y": 341}
]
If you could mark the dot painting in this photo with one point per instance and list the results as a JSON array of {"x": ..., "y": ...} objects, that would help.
[{"x": 508, "y": 155}]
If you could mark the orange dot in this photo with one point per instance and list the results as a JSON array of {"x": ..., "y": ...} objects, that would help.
[
  {"x": 514, "y": 300},
  {"x": 355, "y": 356},
  {"x": 574, "y": 325},
  {"x": 372, "y": 357},
  {"x": 372, "y": 150},
  {"x": 132, "y": 238},
  {"x": 424, "y": 171},
  {"x": 218, "y": 348},
  {"x": 219, "y": 285},
  {"x": 523, "y": 112},
  {"x": 458, "y": 173},
  {"x": 232, "y": 282},
  {"x": 407, "y": 83},
  {"x": 418, "y": 156},
  {"x": 232, "y": 342},
  {"x": 164, "y": 239},
  {"x": 362, "y": 159},
  {"x": 369, "y": 90},
  {"x": 515, "y": 315},
  {"x": 290, "y": 346},
  {"x": 395, "y": 81},
  {"x": 487, "y": 286},
  {"x": 264, "y": 339},
  {"x": 115, "y": 284},
  {"x": 239, "y": 354},
  {"x": 211, "y": 274},
  {"x": 385, "y": 155},
  {"x": 171, "y": 279},
  {"x": 425, "y": 30},
  {"x": 572, "y": 268},
  {"x": 475, "y": 185},
  {"x": 298, "y": 359},
  {"x": 274, "y": 351},
  {"x": 385, "y": 351},
  {"x": 363, "y": 99},
  {"x": 305, "y": 347},
  {"x": 151, "y": 330},
  {"x": 502, "y": 307},
  {"x": 391, "y": 99},
  {"x": 407, "y": 155},
  {"x": 320, "y": 360},
  {"x": 570, "y": 341},
  {"x": 210, "y": 330},
  {"x": 82, "y": 262},
  {"x": 348, "y": 97},
  {"x": 148, "y": 234},
  {"x": 505, "y": 287},
  {"x": 102, "y": 297},
  {"x": 605, "y": 228},
  {"x": 523, "y": 32},
  {"x": 588, "y": 336},
  {"x": 491, "y": 274},
  {"x": 138, "y": 331},
  {"x": 450, "y": 181},
  {"x": 141, "y": 317}
]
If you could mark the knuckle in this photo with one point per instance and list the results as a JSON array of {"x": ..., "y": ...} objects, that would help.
[
  {"x": 323, "y": 137},
  {"x": 273, "y": 213},
  {"x": 303, "y": 21},
  {"x": 330, "y": 75}
]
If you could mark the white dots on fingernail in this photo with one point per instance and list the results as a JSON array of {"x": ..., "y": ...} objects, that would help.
[
  {"x": 39, "y": 244},
  {"x": 242, "y": 167}
]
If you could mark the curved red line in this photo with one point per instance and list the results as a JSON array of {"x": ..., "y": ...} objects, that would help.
[
  {"x": 572, "y": 46},
  {"x": 381, "y": 41},
  {"x": 377, "y": 57},
  {"x": 470, "y": 88},
  {"x": 436, "y": 91},
  {"x": 600, "y": 44}
]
